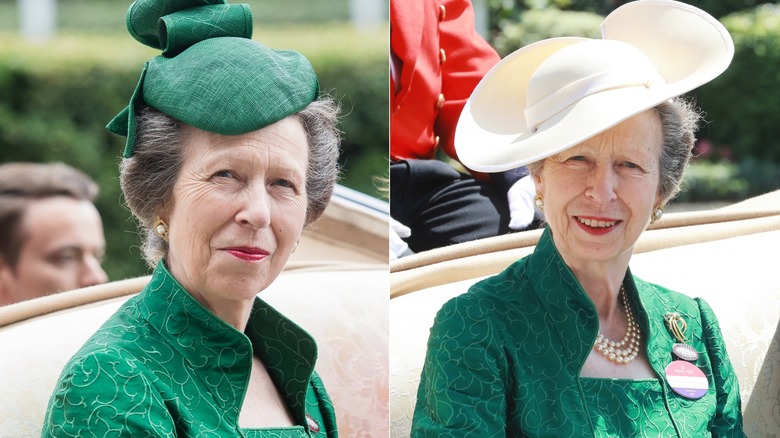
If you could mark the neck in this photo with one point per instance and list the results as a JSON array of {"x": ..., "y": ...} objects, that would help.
[
  {"x": 601, "y": 282},
  {"x": 235, "y": 313}
]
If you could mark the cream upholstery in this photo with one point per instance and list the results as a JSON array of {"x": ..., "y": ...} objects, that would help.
[
  {"x": 728, "y": 256},
  {"x": 335, "y": 287}
]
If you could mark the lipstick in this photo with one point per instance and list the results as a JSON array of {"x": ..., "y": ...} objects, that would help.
[
  {"x": 596, "y": 225},
  {"x": 247, "y": 253}
]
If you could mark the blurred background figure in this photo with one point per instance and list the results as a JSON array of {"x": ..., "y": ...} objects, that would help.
[
  {"x": 437, "y": 58},
  {"x": 51, "y": 234}
]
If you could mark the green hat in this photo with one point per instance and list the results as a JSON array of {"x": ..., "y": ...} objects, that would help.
[{"x": 211, "y": 75}]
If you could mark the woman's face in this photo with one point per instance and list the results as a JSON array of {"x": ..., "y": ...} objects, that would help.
[
  {"x": 239, "y": 207},
  {"x": 599, "y": 195}
]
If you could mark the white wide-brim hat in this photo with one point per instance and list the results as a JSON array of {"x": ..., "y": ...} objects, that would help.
[{"x": 554, "y": 94}]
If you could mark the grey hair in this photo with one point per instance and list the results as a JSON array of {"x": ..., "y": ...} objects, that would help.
[
  {"x": 148, "y": 177},
  {"x": 679, "y": 120},
  {"x": 320, "y": 121}
]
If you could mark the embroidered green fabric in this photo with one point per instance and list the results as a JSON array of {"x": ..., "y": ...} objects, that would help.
[
  {"x": 504, "y": 360},
  {"x": 164, "y": 365}
]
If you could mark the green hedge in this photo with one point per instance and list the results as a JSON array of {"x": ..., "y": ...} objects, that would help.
[
  {"x": 743, "y": 104},
  {"x": 706, "y": 181},
  {"x": 535, "y": 25},
  {"x": 56, "y": 98},
  {"x": 109, "y": 15},
  {"x": 511, "y": 10}
]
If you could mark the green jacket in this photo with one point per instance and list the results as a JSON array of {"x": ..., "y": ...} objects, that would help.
[
  {"x": 504, "y": 360},
  {"x": 163, "y": 365}
]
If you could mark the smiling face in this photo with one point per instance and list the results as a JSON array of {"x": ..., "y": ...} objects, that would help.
[
  {"x": 599, "y": 195},
  {"x": 62, "y": 250},
  {"x": 239, "y": 206}
]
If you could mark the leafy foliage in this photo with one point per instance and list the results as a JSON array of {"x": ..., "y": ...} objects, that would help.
[
  {"x": 538, "y": 24},
  {"x": 109, "y": 15},
  {"x": 706, "y": 181},
  {"x": 742, "y": 104},
  {"x": 501, "y": 10}
]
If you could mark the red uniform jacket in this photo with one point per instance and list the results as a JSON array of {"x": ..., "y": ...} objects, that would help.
[{"x": 438, "y": 59}]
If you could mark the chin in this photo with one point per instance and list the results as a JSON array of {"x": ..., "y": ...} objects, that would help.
[
  {"x": 239, "y": 286},
  {"x": 595, "y": 251}
]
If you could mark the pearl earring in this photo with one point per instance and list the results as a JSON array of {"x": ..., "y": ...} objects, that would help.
[
  {"x": 539, "y": 202},
  {"x": 161, "y": 228},
  {"x": 657, "y": 213}
]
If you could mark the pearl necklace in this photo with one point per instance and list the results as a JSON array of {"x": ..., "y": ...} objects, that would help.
[{"x": 614, "y": 351}]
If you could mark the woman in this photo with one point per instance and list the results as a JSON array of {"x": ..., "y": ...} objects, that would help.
[
  {"x": 566, "y": 342},
  {"x": 230, "y": 154}
]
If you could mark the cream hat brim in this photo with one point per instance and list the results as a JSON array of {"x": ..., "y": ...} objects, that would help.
[{"x": 686, "y": 46}]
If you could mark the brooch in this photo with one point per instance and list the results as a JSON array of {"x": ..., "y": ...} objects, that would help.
[
  {"x": 678, "y": 326},
  {"x": 685, "y": 378}
]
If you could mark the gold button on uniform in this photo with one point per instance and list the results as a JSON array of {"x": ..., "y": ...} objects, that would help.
[
  {"x": 436, "y": 142},
  {"x": 440, "y": 102},
  {"x": 442, "y": 12},
  {"x": 442, "y": 56}
]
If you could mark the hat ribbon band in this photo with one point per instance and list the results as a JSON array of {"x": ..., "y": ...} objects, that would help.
[{"x": 572, "y": 93}]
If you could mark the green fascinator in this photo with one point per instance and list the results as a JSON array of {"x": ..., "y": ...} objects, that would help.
[{"x": 211, "y": 74}]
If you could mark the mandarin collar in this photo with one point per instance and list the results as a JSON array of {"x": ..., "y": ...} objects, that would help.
[
  {"x": 565, "y": 301},
  {"x": 569, "y": 306},
  {"x": 217, "y": 351}
]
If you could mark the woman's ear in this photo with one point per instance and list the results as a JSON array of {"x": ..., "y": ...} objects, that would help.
[
  {"x": 538, "y": 182},
  {"x": 659, "y": 201}
]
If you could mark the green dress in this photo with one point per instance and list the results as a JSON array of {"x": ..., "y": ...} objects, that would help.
[
  {"x": 504, "y": 360},
  {"x": 163, "y": 365}
]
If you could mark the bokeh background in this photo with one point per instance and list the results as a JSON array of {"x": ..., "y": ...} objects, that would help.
[{"x": 60, "y": 86}]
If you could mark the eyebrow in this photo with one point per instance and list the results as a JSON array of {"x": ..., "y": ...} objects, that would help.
[{"x": 284, "y": 164}]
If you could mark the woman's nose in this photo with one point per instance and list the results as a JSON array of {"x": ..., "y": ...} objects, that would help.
[
  {"x": 255, "y": 207},
  {"x": 603, "y": 184}
]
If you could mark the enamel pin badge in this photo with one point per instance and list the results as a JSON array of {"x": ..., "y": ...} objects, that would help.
[{"x": 686, "y": 379}]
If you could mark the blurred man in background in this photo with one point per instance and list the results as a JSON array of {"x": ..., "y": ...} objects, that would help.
[{"x": 51, "y": 234}]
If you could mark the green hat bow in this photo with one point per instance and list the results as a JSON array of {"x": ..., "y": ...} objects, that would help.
[{"x": 210, "y": 74}]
